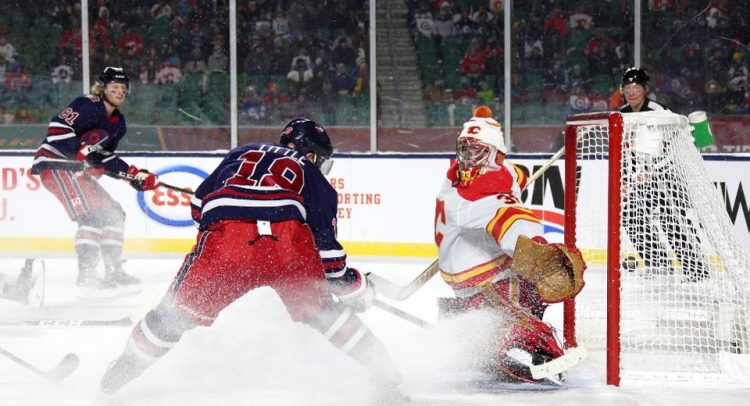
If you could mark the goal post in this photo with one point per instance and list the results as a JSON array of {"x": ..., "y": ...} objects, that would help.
[{"x": 668, "y": 281}]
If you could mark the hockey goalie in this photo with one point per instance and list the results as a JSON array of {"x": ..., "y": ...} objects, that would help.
[{"x": 493, "y": 256}]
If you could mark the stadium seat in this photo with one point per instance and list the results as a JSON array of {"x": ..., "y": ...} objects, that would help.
[
  {"x": 463, "y": 112},
  {"x": 554, "y": 113},
  {"x": 68, "y": 91},
  {"x": 534, "y": 84},
  {"x": 437, "y": 114},
  {"x": 426, "y": 50},
  {"x": 531, "y": 112},
  {"x": 454, "y": 49},
  {"x": 603, "y": 84}
]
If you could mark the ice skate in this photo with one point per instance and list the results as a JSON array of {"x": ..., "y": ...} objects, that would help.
[
  {"x": 124, "y": 283},
  {"x": 116, "y": 275},
  {"x": 28, "y": 287},
  {"x": 389, "y": 395},
  {"x": 120, "y": 372},
  {"x": 90, "y": 285},
  {"x": 386, "y": 389}
]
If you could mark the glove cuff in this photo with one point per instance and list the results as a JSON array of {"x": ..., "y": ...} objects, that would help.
[{"x": 354, "y": 289}]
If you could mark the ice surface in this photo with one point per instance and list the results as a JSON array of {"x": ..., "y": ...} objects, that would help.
[{"x": 255, "y": 355}]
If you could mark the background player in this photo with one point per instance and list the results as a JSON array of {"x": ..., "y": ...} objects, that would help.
[
  {"x": 485, "y": 256},
  {"x": 653, "y": 191},
  {"x": 267, "y": 217},
  {"x": 79, "y": 147}
]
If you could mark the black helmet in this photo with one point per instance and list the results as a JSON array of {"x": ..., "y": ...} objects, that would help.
[
  {"x": 635, "y": 75},
  {"x": 114, "y": 74},
  {"x": 309, "y": 136}
]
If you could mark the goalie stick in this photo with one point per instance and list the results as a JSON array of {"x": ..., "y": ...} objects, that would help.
[
  {"x": 546, "y": 166},
  {"x": 549, "y": 370},
  {"x": 64, "y": 368},
  {"x": 394, "y": 291}
]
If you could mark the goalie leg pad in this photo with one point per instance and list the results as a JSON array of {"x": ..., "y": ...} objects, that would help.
[
  {"x": 524, "y": 334},
  {"x": 556, "y": 270}
]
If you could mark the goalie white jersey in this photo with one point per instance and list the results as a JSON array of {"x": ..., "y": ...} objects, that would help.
[{"x": 476, "y": 227}]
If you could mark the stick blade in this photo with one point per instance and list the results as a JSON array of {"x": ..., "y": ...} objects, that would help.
[
  {"x": 66, "y": 367},
  {"x": 571, "y": 358}
]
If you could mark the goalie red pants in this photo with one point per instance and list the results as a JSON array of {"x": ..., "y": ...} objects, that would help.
[{"x": 230, "y": 258}]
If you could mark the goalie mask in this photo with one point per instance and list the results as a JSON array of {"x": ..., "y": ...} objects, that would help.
[
  {"x": 311, "y": 138},
  {"x": 478, "y": 145}
]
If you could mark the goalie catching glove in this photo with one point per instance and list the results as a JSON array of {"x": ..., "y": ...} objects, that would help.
[
  {"x": 359, "y": 295},
  {"x": 556, "y": 270},
  {"x": 141, "y": 179}
]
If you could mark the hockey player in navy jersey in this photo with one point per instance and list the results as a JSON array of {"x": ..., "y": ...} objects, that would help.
[
  {"x": 266, "y": 217},
  {"x": 79, "y": 147}
]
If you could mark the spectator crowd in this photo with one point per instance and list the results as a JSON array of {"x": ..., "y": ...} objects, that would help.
[
  {"x": 293, "y": 55},
  {"x": 311, "y": 56},
  {"x": 567, "y": 56}
]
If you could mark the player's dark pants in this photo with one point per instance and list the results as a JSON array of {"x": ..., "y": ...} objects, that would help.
[{"x": 100, "y": 218}]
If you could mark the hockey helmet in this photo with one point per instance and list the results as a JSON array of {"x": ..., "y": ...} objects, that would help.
[
  {"x": 309, "y": 137},
  {"x": 113, "y": 74},
  {"x": 478, "y": 145},
  {"x": 635, "y": 75}
]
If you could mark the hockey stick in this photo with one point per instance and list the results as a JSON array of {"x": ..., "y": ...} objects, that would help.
[
  {"x": 125, "y": 321},
  {"x": 544, "y": 167},
  {"x": 129, "y": 177},
  {"x": 559, "y": 365},
  {"x": 64, "y": 368},
  {"x": 402, "y": 314},
  {"x": 394, "y": 291}
]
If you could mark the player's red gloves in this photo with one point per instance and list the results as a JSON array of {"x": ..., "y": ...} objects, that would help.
[{"x": 141, "y": 179}]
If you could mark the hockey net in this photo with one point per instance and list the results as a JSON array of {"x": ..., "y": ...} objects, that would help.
[{"x": 667, "y": 281}]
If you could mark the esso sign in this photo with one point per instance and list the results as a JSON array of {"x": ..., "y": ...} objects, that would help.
[{"x": 167, "y": 206}]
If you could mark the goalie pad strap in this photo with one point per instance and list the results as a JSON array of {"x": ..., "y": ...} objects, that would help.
[{"x": 556, "y": 270}]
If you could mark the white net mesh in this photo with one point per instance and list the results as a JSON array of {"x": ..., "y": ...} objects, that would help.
[{"x": 684, "y": 273}]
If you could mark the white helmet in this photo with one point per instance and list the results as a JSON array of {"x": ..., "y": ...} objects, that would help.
[{"x": 478, "y": 145}]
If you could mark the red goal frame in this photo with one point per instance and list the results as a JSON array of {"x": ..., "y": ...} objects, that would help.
[{"x": 614, "y": 120}]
